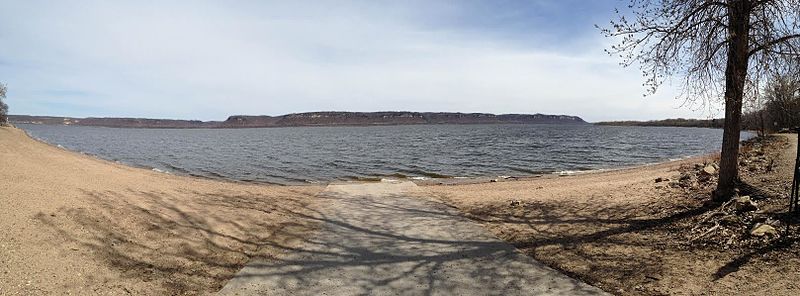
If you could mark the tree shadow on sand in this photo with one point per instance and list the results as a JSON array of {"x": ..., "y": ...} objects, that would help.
[
  {"x": 184, "y": 242},
  {"x": 196, "y": 247},
  {"x": 591, "y": 233},
  {"x": 626, "y": 248}
]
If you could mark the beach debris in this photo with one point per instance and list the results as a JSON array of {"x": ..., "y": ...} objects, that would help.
[
  {"x": 566, "y": 173},
  {"x": 685, "y": 176},
  {"x": 744, "y": 204},
  {"x": 515, "y": 203},
  {"x": 494, "y": 180},
  {"x": 761, "y": 229},
  {"x": 749, "y": 220},
  {"x": 709, "y": 170},
  {"x": 660, "y": 179}
]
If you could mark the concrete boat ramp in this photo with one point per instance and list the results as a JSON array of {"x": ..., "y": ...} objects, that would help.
[{"x": 389, "y": 238}]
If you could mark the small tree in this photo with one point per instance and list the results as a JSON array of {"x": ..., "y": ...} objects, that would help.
[
  {"x": 3, "y": 106},
  {"x": 783, "y": 101},
  {"x": 718, "y": 47}
]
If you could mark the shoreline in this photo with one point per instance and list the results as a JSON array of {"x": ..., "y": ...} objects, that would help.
[
  {"x": 84, "y": 225},
  {"x": 419, "y": 180}
]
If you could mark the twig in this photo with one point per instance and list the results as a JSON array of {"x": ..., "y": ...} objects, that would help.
[{"x": 706, "y": 233}]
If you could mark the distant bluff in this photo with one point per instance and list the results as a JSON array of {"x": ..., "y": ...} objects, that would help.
[
  {"x": 311, "y": 119},
  {"x": 393, "y": 118}
]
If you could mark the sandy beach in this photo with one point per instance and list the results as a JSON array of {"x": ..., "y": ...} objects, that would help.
[{"x": 74, "y": 224}]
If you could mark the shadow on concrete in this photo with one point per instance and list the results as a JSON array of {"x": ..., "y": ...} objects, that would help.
[
  {"x": 399, "y": 243},
  {"x": 191, "y": 242}
]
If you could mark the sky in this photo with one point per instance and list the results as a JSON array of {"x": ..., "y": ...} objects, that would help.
[{"x": 207, "y": 60}]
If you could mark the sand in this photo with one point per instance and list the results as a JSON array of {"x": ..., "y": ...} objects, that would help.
[
  {"x": 74, "y": 224},
  {"x": 626, "y": 233}
]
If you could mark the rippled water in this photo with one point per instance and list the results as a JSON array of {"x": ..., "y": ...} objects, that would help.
[{"x": 321, "y": 154}]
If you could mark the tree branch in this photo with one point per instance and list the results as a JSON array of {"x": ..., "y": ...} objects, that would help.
[{"x": 772, "y": 43}]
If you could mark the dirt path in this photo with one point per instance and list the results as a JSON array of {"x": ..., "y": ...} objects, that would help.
[
  {"x": 391, "y": 239},
  {"x": 789, "y": 156}
]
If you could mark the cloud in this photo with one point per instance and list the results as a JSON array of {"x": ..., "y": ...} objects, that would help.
[{"x": 207, "y": 60}]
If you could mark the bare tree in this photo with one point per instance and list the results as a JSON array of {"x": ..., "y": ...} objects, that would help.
[
  {"x": 717, "y": 47},
  {"x": 3, "y": 106},
  {"x": 782, "y": 104}
]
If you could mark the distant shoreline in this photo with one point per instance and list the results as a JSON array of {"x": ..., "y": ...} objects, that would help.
[
  {"x": 676, "y": 122},
  {"x": 308, "y": 119}
]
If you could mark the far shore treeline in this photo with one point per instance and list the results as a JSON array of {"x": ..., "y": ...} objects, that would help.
[
  {"x": 676, "y": 122},
  {"x": 309, "y": 119}
]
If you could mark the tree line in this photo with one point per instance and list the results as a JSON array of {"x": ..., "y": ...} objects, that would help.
[
  {"x": 774, "y": 108},
  {"x": 777, "y": 107}
]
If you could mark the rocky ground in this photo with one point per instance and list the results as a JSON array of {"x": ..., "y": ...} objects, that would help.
[
  {"x": 654, "y": 230},
  {"x": 756, "y": 217}
]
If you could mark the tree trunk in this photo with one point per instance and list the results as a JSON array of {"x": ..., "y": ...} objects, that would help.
[{"x": 735, "y": 77}]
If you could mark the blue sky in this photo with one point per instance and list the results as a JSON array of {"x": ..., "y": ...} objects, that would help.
[{"x": 210, "y": 59}]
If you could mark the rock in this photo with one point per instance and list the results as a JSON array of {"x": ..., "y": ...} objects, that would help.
[
  {"x": 515, "y": 203},
  {"x": 709, "y": 170},
  {"x": 744, "y": 204},
  {"x": 659, "y": 180},
  {"x": 674, "y": 184},
  {"x": 729, "y": 220},
  {"x": 764, "y": 229},
  {"x": 685, "y": 177}
]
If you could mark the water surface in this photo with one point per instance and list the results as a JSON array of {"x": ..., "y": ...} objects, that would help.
[{"x": 322, "y": 154}]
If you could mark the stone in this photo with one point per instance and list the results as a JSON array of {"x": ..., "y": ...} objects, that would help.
[
  {"x": 709, "y": 170},
  {"x": 729, "y": 220},
  {"x": 764, "y": 230},
  {"x": 744, "y": 204},
  {"x": 659, "y": 180}
]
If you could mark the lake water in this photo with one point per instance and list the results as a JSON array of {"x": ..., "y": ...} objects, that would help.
[{"x": 322, "y": 154}]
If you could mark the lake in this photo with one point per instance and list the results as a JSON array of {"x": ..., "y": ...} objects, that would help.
[{"x": 322, "y": 154}]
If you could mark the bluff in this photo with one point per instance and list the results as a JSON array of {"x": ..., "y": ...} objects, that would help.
[{"x": 310, "y": 119}]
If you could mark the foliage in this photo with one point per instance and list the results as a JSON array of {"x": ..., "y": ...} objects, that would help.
[
  {"x": 783, "y": 102},
  {"x": 3, "y": 105},
  {"x": 690, "y": 39},
  {"x": 676, "y": 122},
  {"x": 720, "y": 48}
]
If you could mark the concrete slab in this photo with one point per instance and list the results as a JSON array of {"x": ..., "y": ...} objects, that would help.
[{"x": 391, "y": 239}]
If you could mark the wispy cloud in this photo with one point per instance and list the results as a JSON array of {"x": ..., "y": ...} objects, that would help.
[{"x": 208, "y": 60}]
